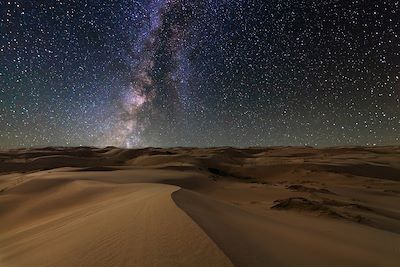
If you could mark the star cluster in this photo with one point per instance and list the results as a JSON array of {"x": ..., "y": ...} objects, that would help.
[{"x": 199, "y": 73}]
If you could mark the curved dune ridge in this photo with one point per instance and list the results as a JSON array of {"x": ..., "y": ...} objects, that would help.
[
  {"x": 97, "y": 224},
  {"x": 200, "y": 207}
]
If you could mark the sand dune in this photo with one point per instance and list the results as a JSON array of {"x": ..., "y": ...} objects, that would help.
[
  {"x": 96, "y": 224},
  {"x": 282, "y": 206},
  {"x": 270, "y": 239}
]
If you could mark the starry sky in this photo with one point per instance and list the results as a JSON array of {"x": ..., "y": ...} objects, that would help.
[{"x": 137, "y": 73}]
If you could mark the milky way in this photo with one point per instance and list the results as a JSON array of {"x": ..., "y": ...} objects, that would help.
[
  {"x": 159, "y": 35},
  {"x": 199, "y": 73},
  {"x": 140, "y": 90}
]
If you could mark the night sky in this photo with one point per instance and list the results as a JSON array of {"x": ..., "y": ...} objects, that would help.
[{"x": 199, "y": 73}]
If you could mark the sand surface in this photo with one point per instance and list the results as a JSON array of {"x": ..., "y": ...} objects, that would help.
[{"x": 283, "y": 206}]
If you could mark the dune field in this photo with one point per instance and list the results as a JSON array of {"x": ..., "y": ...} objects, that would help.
[{"x": 280, "y": 206}]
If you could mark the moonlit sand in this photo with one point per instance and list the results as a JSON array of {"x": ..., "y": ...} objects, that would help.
[{"x": 281, "y": 206}]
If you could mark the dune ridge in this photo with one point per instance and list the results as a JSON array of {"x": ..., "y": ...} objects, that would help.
[{"x": 107, "y": 225}]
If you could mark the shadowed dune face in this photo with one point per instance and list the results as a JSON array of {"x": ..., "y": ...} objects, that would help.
[
  {"x": 268, "y": 239},
  {"x": 280, "y": 206}
]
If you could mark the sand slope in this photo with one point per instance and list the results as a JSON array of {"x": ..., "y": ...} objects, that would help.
[
  {"x": 281, "y": 206},
  {"x": 274, "y": 240},
  {"x": 134, "y": 225}
]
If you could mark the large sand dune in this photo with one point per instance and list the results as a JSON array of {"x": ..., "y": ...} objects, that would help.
[{"x": 200, "y": 207}]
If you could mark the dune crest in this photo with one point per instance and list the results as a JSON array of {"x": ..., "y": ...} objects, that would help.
[{"x": 134, "y": 225}]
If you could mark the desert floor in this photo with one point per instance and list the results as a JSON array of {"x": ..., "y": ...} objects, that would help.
[{"x": 282, "y": 206}]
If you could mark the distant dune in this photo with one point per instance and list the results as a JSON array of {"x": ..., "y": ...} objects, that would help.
[{"x": 282, "y": 206}]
